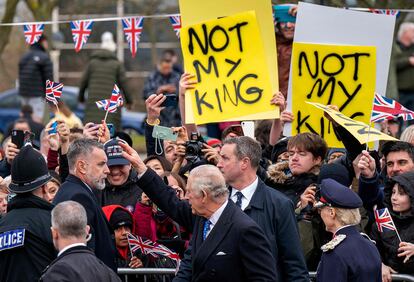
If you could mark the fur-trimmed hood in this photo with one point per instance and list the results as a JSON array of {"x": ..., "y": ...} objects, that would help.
[
  {"x": 280, "y": 178},
  {"x": 280, "y": 172}
]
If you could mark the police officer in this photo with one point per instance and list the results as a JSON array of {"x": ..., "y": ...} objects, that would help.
[
  {"x": 26, "y": 245},
  {"x": 350, "y": 255}
]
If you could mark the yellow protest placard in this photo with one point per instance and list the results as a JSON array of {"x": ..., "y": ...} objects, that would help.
[
  {"x": 228, "y": 59},
  {"x": 331, "y": 75},
  {"x": 361, "y": 131},
  {"x": 194, "y": 12}
]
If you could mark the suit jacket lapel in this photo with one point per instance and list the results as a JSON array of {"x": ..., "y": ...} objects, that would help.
[
  {"x": 198, "y": 235},
  {"x": 209, "y": 246}
]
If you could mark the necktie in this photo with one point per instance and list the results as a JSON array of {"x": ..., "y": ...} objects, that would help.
[
  {"x": 206, "y": 228},
  {"x": 239, "y": 199}
]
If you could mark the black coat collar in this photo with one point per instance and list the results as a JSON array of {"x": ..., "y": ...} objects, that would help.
[{"x": 28, "y": 200}]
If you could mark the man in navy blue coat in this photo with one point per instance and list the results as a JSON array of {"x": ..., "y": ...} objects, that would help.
[
  {"x": 227, "y": 244},
  {"x": 270, "y": 209},
  {"x": 88, "y": 170}
]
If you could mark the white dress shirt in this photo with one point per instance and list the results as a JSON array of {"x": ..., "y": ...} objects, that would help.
[
  {"x": 71, "y": 246},
  {"x": 215, "y": 216},
  {"x": 247, "y": 192}
]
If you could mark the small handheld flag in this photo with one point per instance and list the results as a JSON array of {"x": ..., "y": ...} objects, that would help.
[
  {"x": 33, "y": 32},
  {"x": 138, "y": 243},
  {"x": 385, "y": 108},
  {"x": 81, "y": 30},
  {"x": 148, "y": 247},
  {"x": 133, "y": 30},
  {"x": 384, "y": 221},
  {"x": 53, "y": 91}
]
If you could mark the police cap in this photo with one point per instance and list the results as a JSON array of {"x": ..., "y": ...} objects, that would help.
[{"x": 335, "y": 194}]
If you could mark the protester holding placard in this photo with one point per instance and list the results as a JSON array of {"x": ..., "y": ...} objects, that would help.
[
  {"x": 285, "y": 29},
  {"x": 397, "y": 251}
]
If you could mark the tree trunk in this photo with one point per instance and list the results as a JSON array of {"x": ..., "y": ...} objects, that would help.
[{"x": 7, "y": 18}]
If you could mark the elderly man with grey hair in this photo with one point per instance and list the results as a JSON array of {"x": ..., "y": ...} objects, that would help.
[
  {"x": 88, "y": 170},
  {"x": 224, "y": 238},
  {"x": 75, "y": 261}
]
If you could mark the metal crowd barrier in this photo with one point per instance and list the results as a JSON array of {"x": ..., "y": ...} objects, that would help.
[
  {"x": 164, "y": 272},
  {"x": 395, "y": 277}
]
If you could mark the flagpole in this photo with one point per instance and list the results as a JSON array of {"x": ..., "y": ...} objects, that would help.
[
  {"x": 396, "y": 230},
  {"x": 106, "y": 115},
  {"x": 369, "y": 132},
  {"x": 369, "y": 123},
  {"x": 57, "y": 107}
]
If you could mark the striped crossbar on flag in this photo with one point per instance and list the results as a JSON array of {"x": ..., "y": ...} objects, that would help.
[
  {"x": 385, "y": 108},
  {"x": 33, "y": 32},
  {"x": 384, "y": 220},
  {"x": 53, "y": 91}
]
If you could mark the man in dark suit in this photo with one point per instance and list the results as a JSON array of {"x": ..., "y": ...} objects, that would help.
[
  {"x": 88, "y": 170},
  {"x": 75, "y": 261},
  {"x": 270, "y": 209},
  {"x": 227, "y": 244}
]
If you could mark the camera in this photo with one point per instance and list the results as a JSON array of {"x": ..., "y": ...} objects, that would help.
[
  {"x": 193, "y": 148},
  {"x": 193, "y": 152}
]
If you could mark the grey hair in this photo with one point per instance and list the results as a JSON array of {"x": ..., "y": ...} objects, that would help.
[
  {"x": 404, "y": 27},
  {"x": 408, "y": 135},
  {"x": 208, "y": 178},
  {"x": 69, "y": 218},
  {"x": 246, "y": 147},
  {"x": 348, "y": 216},
  {"x": 81, "y": 147}
]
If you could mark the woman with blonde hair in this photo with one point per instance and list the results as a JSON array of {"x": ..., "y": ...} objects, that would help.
[{"x": 349, "y": 256}]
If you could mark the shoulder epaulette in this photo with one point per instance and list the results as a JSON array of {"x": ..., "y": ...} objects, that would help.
[
  {"x": 367, "y": 237},
  {"x": 333, "y": 243}
]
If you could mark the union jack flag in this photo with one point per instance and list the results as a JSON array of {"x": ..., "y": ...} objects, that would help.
[
  {"x": 53, "y": 91},
  {"x": 389, "y": 12},
  {"x": 384, "y": 220},
  {"x": 137, "y": 243},
  {"x": 176, "y": 24},
  {"x": 112, "y": 104},
  {"x": 164, "y": 251},
  {"x": 80, "y": 32},
  {"x": 103, "y": 104},
  {"x": 386, "y": 108},
  {"x": 133, "y": 30},
  {"x": 33, "y": 32}
]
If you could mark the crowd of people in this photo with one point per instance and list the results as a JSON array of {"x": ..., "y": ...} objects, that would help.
[{"x": 233, "y": 207}]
